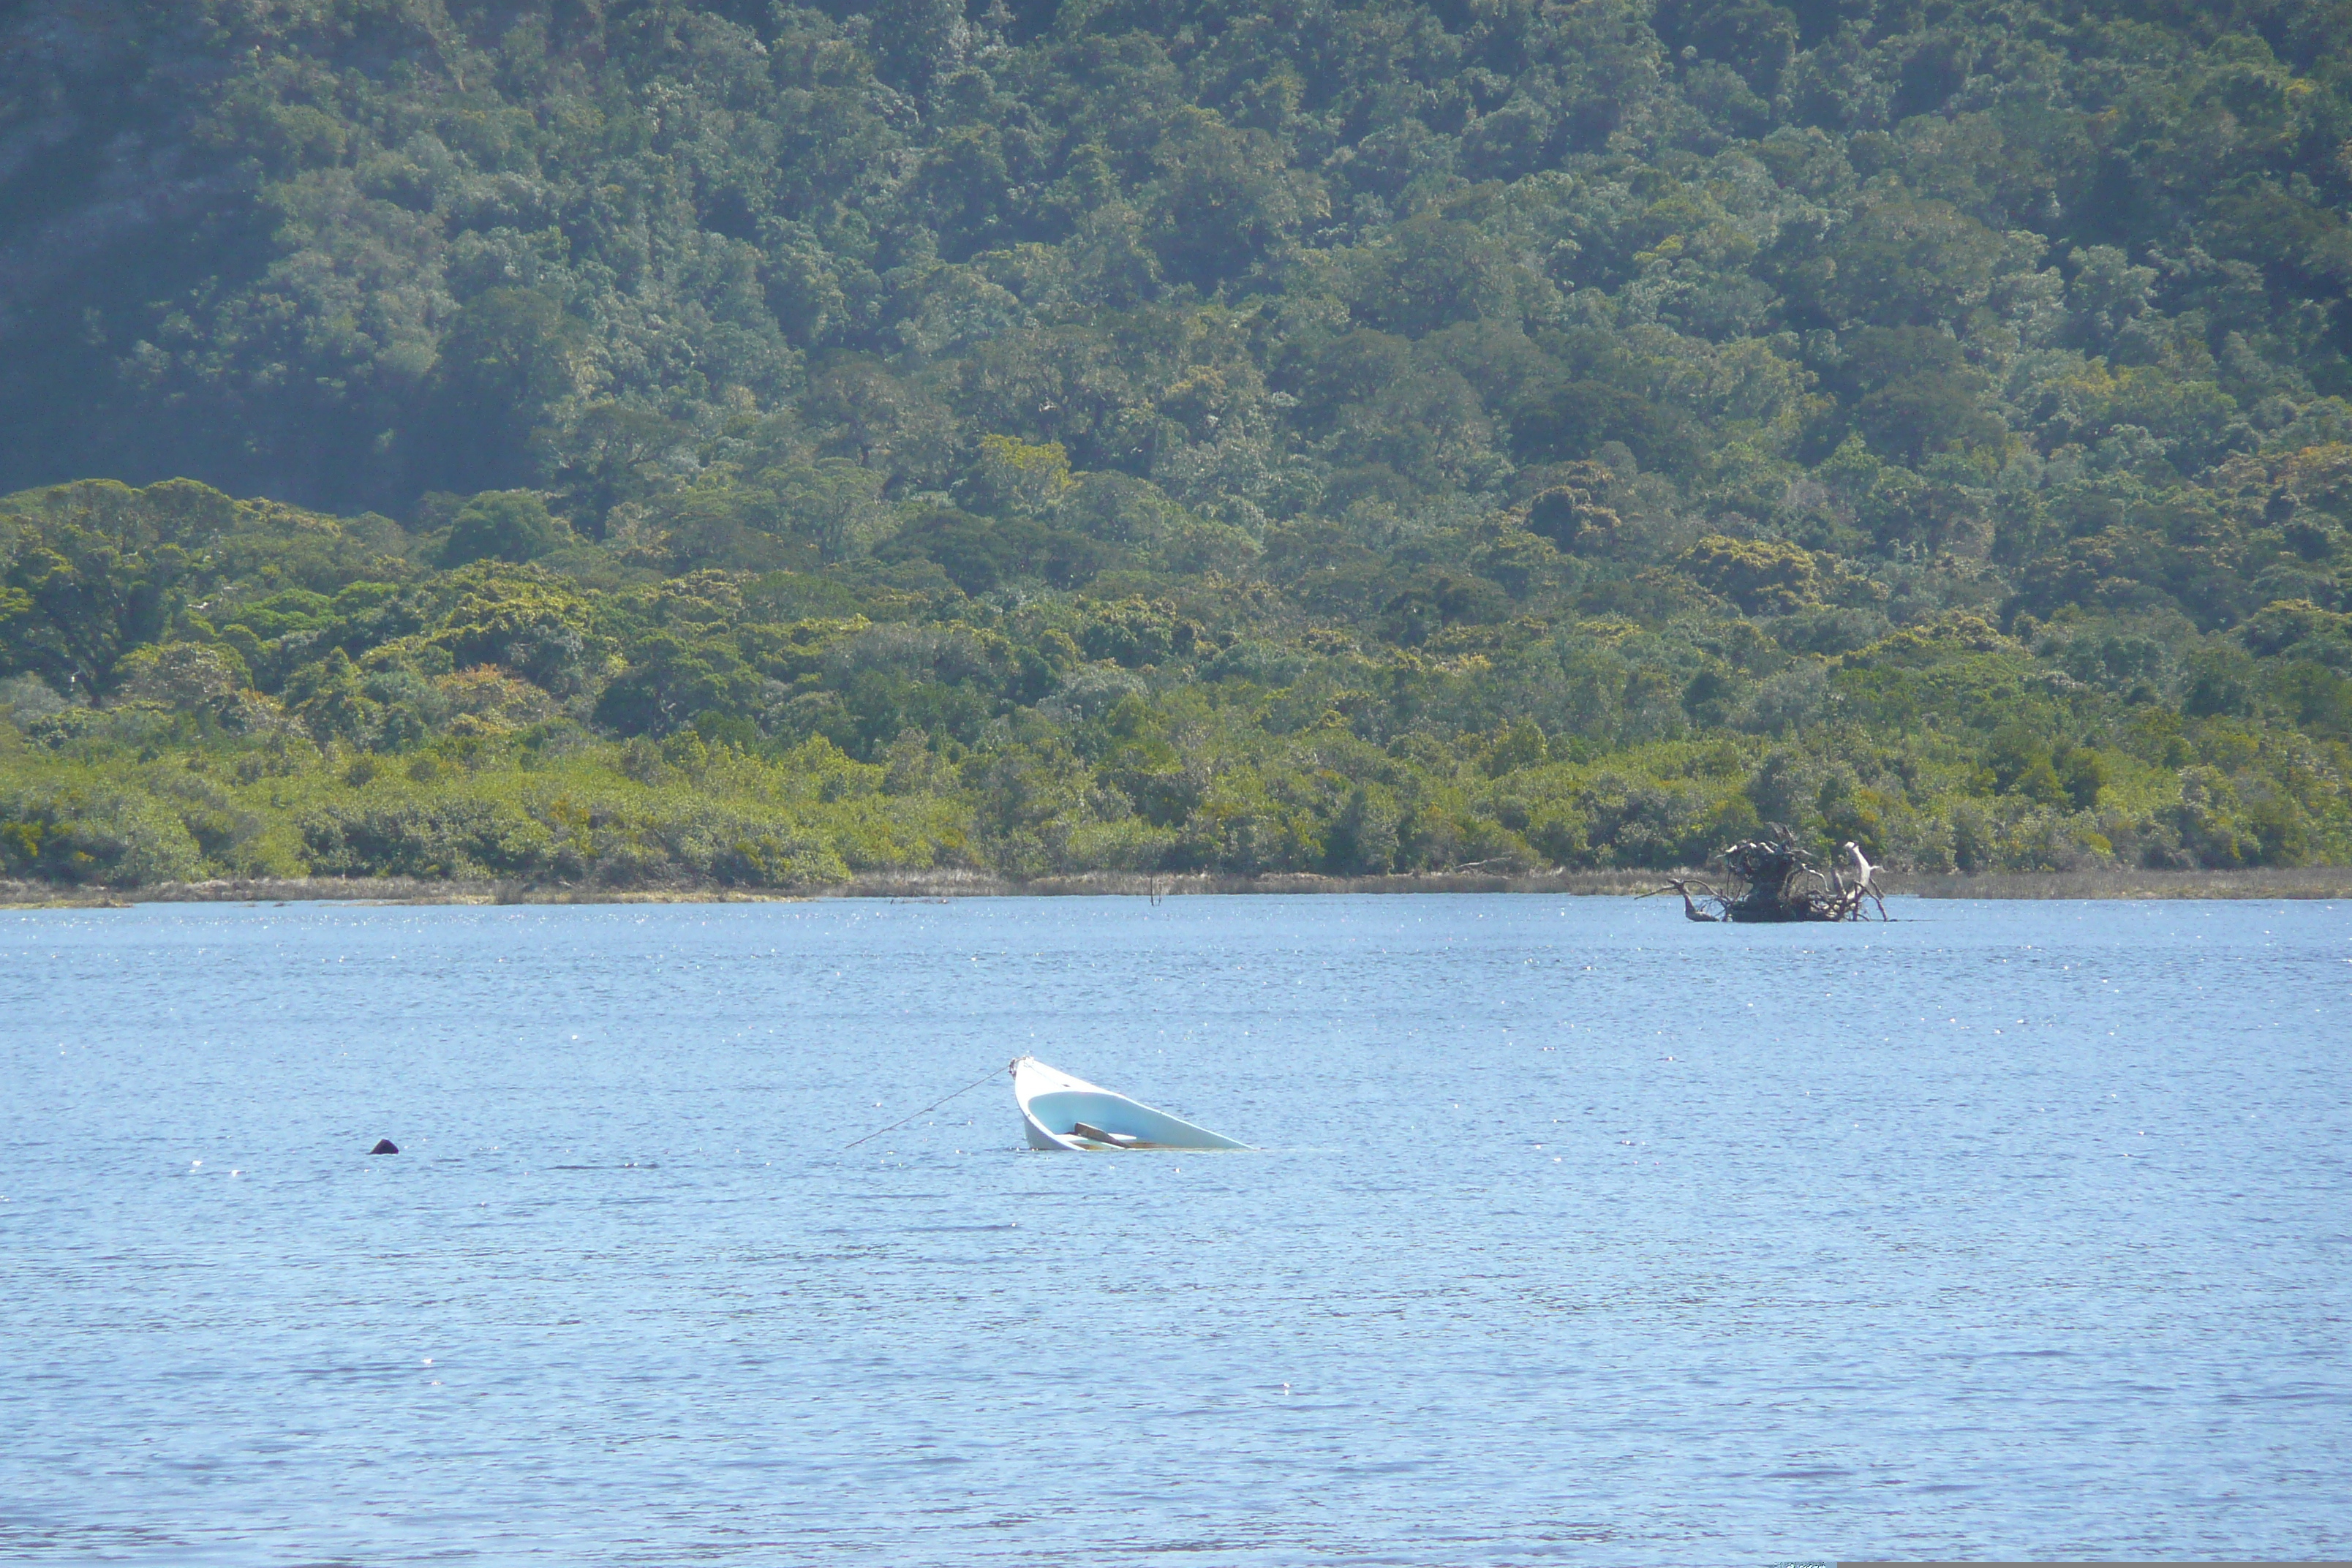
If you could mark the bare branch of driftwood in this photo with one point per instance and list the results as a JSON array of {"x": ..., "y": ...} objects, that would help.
[{"x": 1709, "y": 906}]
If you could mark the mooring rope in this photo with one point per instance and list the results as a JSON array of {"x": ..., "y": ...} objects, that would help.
[{"x": 934, "y": 1105}]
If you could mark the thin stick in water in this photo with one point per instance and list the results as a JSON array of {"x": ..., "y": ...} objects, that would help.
[{"x": 934, "y": 1105}]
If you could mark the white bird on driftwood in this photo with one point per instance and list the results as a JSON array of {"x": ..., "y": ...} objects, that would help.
[{"x": 1866, "y": 876}]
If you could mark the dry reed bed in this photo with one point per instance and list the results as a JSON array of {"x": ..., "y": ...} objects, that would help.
[{"x": 2299, "y": 882}]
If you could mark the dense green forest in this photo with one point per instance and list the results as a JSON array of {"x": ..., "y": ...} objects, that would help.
[{"x": 629, "y": 442}]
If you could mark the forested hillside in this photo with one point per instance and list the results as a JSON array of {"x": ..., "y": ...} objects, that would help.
[{"x": 625, "y": 444}]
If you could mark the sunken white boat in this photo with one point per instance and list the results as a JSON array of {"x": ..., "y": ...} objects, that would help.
[{"x": 1059, "y": 1111}]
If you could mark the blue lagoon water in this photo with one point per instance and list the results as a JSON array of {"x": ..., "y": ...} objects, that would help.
[{"x": 1579, "y": 1234}]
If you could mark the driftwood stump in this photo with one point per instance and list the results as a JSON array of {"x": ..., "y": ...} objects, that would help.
[{"x": 1782, "y": 884}]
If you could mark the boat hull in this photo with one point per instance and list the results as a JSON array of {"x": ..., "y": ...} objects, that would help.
[{"x": 1053, "y": 1105}]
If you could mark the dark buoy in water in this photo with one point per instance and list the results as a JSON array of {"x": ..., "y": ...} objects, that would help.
[{"x": 384, "y": 1146}]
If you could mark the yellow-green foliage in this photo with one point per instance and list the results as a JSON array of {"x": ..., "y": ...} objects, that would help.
[{"x": 1761, "y": 576}]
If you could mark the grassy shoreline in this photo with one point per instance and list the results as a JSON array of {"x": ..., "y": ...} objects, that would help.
[
  {"x": 2299, "y": 882},
  {"x": 2259, "y": 882}
]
